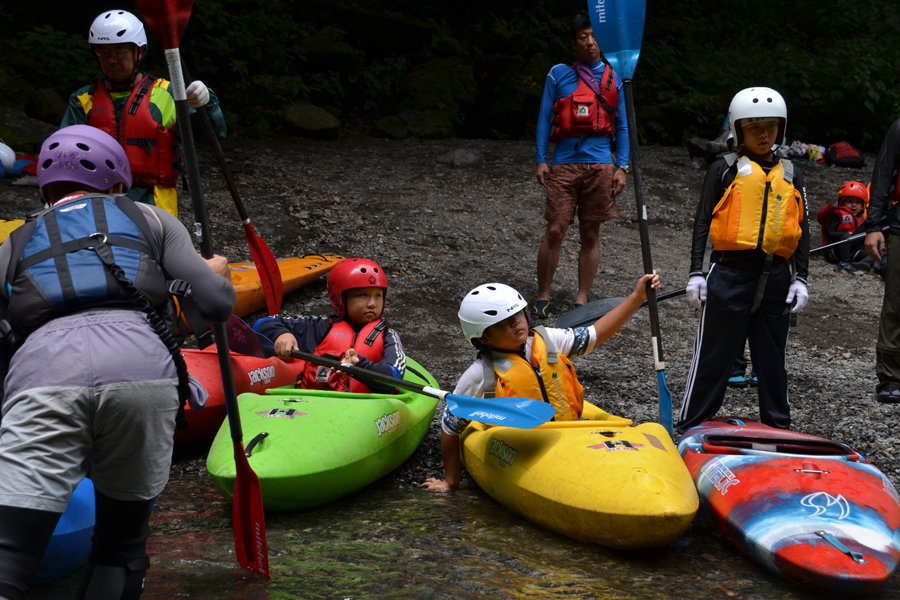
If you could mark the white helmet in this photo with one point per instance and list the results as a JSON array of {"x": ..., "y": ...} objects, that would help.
[
  {"x": 117, "y": 27},
  {"x": 486, "y": 305},
  {"x": 7, "y": 157},
  {"x": 757, "y": 104}
]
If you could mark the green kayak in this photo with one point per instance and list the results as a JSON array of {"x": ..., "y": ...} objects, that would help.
[{"x": 309, "y": 447}]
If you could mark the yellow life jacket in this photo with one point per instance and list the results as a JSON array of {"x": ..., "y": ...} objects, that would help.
[
  {"x": 549, "y": 377},
  {"x": 737, "y": 218}
]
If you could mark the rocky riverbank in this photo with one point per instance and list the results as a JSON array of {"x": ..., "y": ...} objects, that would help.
[{"x": 439, "y": 230}]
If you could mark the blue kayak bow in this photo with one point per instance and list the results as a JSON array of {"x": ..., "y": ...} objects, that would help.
[{"x": 618, "y": 27}]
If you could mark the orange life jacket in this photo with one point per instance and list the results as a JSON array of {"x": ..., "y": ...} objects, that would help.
[
  {"x": 737, "y": 218},
  {"x": 152, "y": 150},
  {"x": 549, "y": 377},
  {"x": 849, "y": 221},
  {"x": 585, "y": 113},
  {"x": 368, "y": 343}
]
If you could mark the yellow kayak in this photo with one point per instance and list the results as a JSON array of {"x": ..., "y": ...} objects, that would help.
[
  {"x": 598, "y": 480},
  {"x": 7, "y": 226},
  {"x": 295, "y": 272}
]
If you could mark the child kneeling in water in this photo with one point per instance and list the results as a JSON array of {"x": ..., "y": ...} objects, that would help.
[
  {"x": 504, "y": 343},
  {"x": 356, "y": 334}
]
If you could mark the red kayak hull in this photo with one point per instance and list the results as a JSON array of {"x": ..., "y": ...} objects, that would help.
[
  {"x": 806, "y": 508},
  {"x": 251, "y": 375}
]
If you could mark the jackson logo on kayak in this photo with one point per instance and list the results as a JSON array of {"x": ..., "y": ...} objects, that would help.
[
  {"x": 262, "y": 374},
  {"x": 388, "y": 423},
  {"x": 283, "y": 413},
  {"x": 617, "y": 445},
  {"x": 719, "y": 475},
  {"x": 506, "y": 454},
  {"x": 822, "y": 503}
]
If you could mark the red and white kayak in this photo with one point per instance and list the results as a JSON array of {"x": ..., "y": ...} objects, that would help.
[
  {"x": 804, "y": 507},
  {"x": 251, "y": 375}
]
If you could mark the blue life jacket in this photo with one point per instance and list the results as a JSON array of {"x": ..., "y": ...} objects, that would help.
[{"x": 54, "y": 271}]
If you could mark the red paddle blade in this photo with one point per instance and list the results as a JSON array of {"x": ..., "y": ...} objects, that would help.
[
  {"x": 249, "y": 521},
  {"x": 267, "y": 267},
  {"x": 166, "y": 19}
]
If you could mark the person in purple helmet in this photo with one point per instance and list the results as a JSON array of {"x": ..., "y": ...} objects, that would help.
[{"x": 95, "y": 380}]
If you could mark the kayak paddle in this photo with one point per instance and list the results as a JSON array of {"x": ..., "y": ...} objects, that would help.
[
  {"x": 167, "y": 20},
  {"x": 266, "y": 265},
  {"x": 590, "y": 312},
  {"x": 618, "y": 28},
  {"x": 522, "y": 413}
]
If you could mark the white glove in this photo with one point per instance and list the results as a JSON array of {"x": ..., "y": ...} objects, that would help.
[
  {"x": 799, "y": 292},
  {"x": 696, "y": 290},
  {"x": 197, "y": 94}
]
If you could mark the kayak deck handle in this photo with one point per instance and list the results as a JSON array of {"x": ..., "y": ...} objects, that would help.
[
  {"x": 259, "y": 437},
  {"x": 829, "y": 537}
]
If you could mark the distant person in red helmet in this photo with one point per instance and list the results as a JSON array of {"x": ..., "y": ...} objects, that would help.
[
  {"x": 136, "y": 108},
  {"x": 356, "y": 334},
  {"x": 843, "y": 220}
]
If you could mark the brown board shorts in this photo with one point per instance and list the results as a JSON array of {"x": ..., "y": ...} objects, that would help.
[{"x": 588, "y": 187}]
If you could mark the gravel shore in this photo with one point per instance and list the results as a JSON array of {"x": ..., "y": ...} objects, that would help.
[{"x": 441, "y": 230}]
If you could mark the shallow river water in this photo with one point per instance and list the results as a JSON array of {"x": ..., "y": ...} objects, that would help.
[{"x": 393, "y": 542}]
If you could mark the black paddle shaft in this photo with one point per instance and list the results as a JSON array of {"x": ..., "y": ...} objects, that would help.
[
  {"x": 642, "y": 217},
  {"x": 201, "y": 219},
  {"x": 217, "y": 150},
  {"x": 365, "y": 373}
]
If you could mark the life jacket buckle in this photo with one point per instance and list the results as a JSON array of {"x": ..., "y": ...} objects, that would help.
[
  {"x": 100, "y": 237},
  {"x": 180, "y": 287}
]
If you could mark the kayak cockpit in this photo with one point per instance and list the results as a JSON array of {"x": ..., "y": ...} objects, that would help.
[{"x": 743, "y": 444}]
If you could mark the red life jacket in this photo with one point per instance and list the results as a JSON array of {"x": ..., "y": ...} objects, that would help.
[
  {"x": 368, "y": 343},
  {"x": 849, "y": 221},
  {"x": 151, "y": 149},
  {"x": 583, "y": 112}
]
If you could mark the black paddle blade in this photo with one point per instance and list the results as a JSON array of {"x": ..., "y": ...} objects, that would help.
[{"x": 587, "y": 314}]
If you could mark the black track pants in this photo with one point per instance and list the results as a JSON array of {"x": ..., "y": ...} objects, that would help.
[
  {"x": 725, "y": 322},
  {"x": 887, "y": 349}
]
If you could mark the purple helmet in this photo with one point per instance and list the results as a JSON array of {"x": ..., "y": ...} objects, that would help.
[{"x": 83, "y": 154}]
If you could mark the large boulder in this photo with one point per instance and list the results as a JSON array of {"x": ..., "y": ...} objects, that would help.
[
  {"x": 312, "y": 121},
  {"x": 419, "y": 123},
  {"x": 22, "y": 133},
  {"x": 444, "y": 89},
  {"x": 391, "y": 127}
]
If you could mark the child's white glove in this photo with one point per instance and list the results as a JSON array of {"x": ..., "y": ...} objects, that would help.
[
  {"x": 197, "y": 94},
  {"x": 696, "y": 290},
  {"x": 799, "y": 292}
]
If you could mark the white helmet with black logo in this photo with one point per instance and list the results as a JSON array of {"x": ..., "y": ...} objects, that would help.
[
  {"x": 486, "y": 305},
  {"x": 757, "y": 104},
  {"x": 117, "y": 27}
]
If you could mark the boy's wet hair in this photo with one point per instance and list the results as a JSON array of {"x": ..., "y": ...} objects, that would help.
[{"x": 578, "y": 23}]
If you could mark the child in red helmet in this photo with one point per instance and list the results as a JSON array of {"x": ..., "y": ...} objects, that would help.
[
  {"x": 841, "y": 221},
  {"x": 356, "y": 333}
]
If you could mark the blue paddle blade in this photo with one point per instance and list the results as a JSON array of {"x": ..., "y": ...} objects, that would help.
[
  {"x": 618, "y": 27},
  {"x": 665, "y": 404},
  {"x": 522, "y": 413}
]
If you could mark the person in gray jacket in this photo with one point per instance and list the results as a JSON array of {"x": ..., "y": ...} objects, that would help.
[{"x": 95, "y": 380}]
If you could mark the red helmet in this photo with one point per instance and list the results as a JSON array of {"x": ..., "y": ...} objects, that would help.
[
  {"x": 353, "y": 273},
  {"x": 853, "y": 189}
]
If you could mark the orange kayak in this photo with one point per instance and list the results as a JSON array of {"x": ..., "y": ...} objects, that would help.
[
  {"x": 251, "y": 375},
  {"x": 295, "y": 272}
]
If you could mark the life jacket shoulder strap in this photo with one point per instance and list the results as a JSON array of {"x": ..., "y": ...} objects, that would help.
[
  {"x": 744, "y": 167},
  {"x": 376, "y": 331},
  {"x": 552, "y": 352},
  {"x": 787, "y": 170}
]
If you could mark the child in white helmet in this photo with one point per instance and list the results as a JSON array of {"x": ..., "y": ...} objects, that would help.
[
  {"x": 753, "y": 208},
  {"x": 511, "y": 354}
]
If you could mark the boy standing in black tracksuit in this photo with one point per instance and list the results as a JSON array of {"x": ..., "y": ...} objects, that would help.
[{"x": 753, "y": 207}]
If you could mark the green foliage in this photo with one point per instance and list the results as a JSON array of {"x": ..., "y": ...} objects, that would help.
[
  {"x": 836, "y": 63},
  {"x": 47, "y": 57}
]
